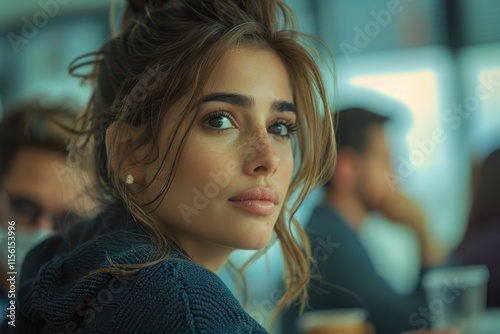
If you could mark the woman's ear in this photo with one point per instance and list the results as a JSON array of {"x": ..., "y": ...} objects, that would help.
[{"x": 124, "y": 159}]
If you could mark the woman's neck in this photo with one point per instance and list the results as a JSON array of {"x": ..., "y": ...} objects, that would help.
[
  {"x": 213, "y": 258},
  {"x": 208, "y": 255}
]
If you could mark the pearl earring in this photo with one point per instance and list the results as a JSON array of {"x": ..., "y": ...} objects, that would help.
[{"x": 130, "y": 179}]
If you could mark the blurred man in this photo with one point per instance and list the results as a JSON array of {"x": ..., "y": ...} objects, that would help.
[
  {"x": 358, "y": 187},
  {"x": 480, "y": 244},
  {"x": 34, "y": 200}
]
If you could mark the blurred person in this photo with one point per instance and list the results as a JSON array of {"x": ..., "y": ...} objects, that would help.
[
  {"x": 347, "y": 277},
  {"x": 194, "y": 147},
  {"x": 34, "y": 200},
  {"x": 481, "y": 243}
]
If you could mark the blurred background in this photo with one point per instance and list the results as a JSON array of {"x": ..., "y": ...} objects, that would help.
[{"x": 432, "y": 65}]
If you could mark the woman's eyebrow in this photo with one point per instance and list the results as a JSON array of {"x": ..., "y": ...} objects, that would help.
[
  {"x": 231, "y": 98},
  {"x": 281, "y": 106},
  {"x": 247, "y": 101}
]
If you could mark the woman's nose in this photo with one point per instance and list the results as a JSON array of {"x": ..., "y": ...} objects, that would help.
[{"x": 261, "y": 157}]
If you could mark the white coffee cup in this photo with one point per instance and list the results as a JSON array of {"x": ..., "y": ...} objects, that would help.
[{"x": 456, "y": 295}]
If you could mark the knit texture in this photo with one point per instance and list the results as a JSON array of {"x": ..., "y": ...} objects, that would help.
[{"x": 173, "y": 296}]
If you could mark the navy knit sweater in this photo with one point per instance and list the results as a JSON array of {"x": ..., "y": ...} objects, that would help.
[{"x": 173, "y": 296}]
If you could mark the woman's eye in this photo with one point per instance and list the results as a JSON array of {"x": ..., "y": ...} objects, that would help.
[
  {"x": 219, "y": 122},
  {"x": 282, "y": 129}
]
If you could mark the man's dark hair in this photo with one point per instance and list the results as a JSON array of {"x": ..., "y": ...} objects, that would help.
[
  {"x": 32, "y": 125},
  {"x": 353, "y": 125}
]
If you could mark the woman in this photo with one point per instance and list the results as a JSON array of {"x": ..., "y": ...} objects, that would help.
[{"x": 199, "y": 111}]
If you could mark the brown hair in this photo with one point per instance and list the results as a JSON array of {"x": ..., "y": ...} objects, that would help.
[
  {"x": 181, "y": 42},
  {"x": 33, "y": 125}
]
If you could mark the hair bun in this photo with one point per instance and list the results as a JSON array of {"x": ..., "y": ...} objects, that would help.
[{"x": 139, "y": 6}]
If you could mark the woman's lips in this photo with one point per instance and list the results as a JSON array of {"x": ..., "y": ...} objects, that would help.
[
  {"x": 259, "y": 207},
  {"x": 259, "y": 200}
]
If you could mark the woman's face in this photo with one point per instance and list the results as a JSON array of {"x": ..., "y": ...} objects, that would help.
[{"x": 237, "y": 163}]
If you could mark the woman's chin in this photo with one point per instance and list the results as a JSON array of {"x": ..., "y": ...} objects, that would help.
[{"x": 255, "y": 242}]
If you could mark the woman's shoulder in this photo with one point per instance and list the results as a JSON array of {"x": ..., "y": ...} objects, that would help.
[
  {"x": 179, "y": 295},
  {"x": 172, "y": 295},
  {"x": 177, "y": 281}
]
